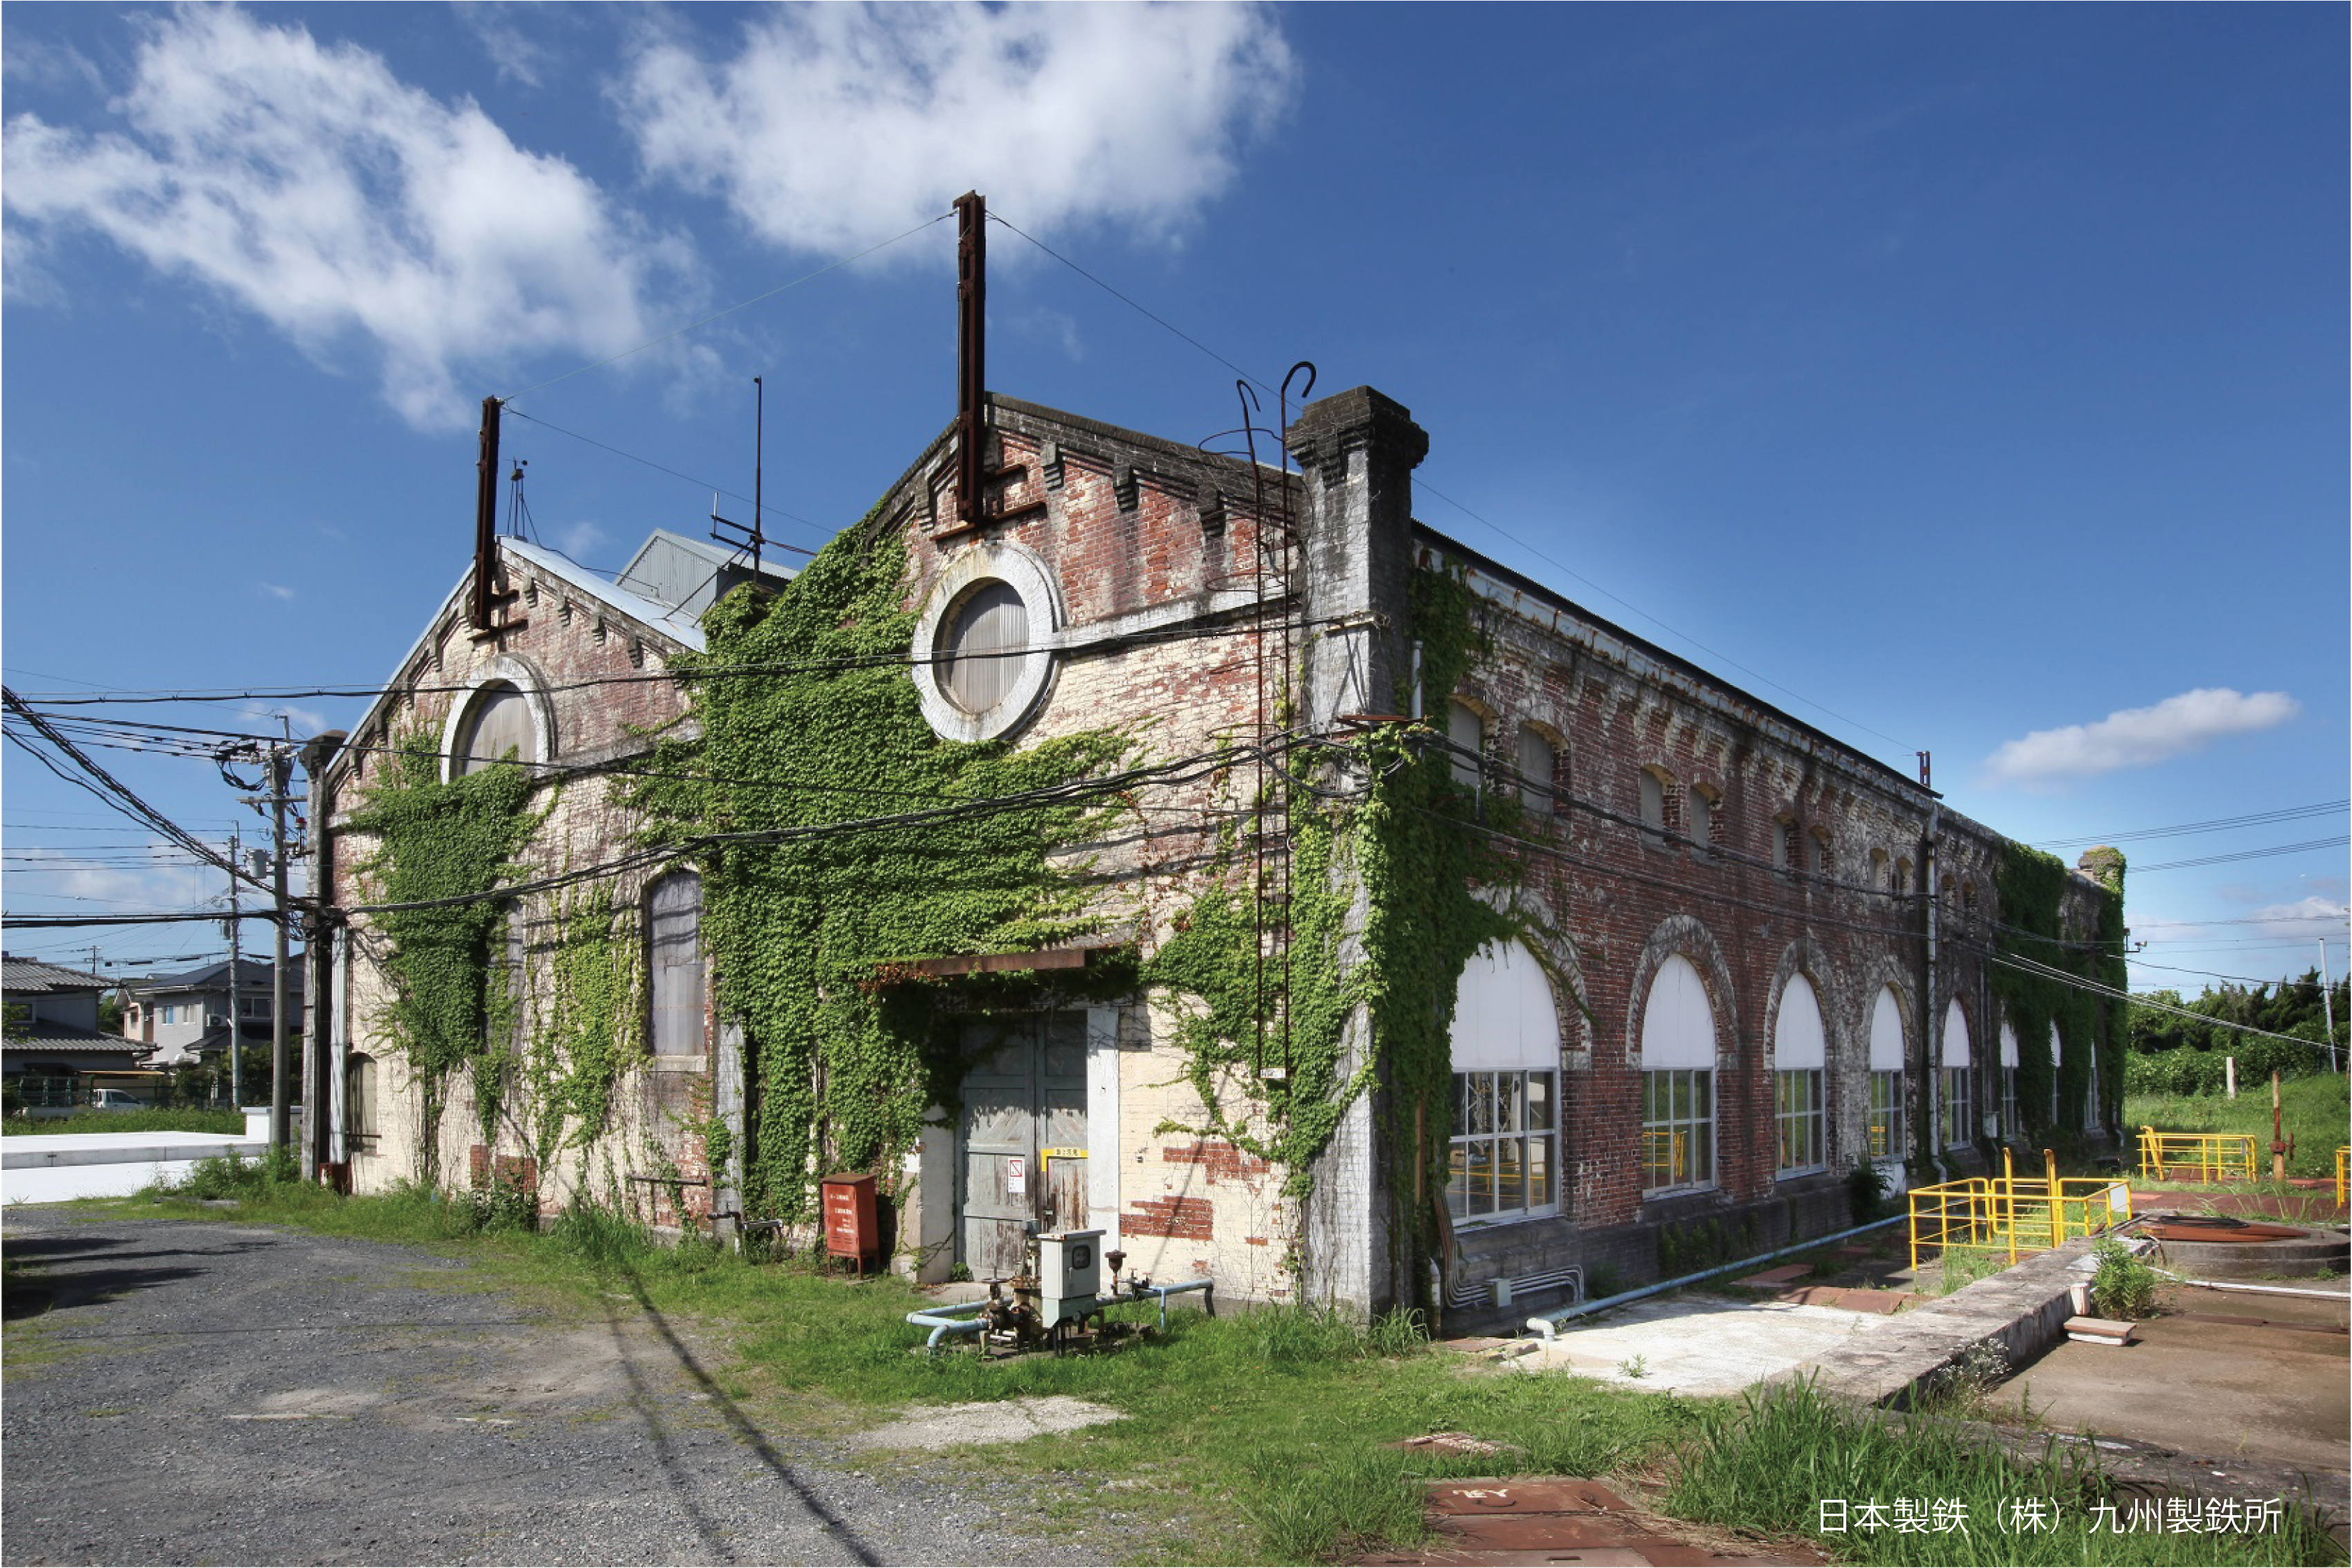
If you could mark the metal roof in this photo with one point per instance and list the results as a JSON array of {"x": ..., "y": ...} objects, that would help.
[
  {"x": 252, "y": 975},
  {"x": 31, "y": 974}
]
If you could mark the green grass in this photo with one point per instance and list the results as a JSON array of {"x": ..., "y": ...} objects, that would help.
[
  {"x": 230, "y": 1122},
  {"x": 1257, "y": 1436},
  {"x": 2317, "y": 1110},
  {"x": 1769, "y": 1464}
]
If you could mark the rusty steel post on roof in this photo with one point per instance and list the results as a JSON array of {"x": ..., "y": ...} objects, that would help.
[
  {"x": 486, "y": 516},
  {"x": 971, "y": 348}
]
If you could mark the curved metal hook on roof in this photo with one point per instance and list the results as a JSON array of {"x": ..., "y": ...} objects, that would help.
[{"x": 1304, "y": 393}]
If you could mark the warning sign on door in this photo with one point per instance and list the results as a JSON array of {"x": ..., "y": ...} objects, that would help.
[{"x": 1016, "y": 1175}]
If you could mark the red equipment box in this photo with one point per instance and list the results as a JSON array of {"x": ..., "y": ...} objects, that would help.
[{"x": 850, "y": 1228}]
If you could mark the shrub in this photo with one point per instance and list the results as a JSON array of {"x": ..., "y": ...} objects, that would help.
[{"x": 2122, "y": 1287}]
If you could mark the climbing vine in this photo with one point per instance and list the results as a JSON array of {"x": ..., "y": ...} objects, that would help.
[
  {"x": 809, "y": 934},
  {"x": 2032, "y": 888},
  {"x": 594, "y": 1029},
  {"x": 436, "y": 842},
  {"x": 1401, "y": 869}
]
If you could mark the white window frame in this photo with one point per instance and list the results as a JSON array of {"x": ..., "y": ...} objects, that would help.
[
  {"x": 1800, "y": 1080},
  {"x": 1678, "y": 1058},
  {"x": 1505, "y": 1040}
]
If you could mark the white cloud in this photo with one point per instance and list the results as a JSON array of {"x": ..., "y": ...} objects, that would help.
[
  {"x": 60, "y": 874},
  {"x": 580, "y": 541},
  {"x": 306, "y": 721},
  {"x": 276, "y": 592},
  {"x": 2136, "y": 737},
  {"x": 834, "y": 126},
  {"x": 308, "y": 185}
]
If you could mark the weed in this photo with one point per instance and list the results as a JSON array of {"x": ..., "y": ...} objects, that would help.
[
  {"x": 1767, "y": 1464},
  {"x": 156, "y": 1121},
  {"x": 1637, "y": 1368},
  {"x": 1963, "y": 1389},
  {"x": 1964, "y": 1266},
  {"x": 2122, "y": 1287}
]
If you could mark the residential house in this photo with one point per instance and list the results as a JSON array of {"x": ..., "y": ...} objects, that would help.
[
  {"x": 52, "y": 1030},
  {"x": 184, "y": 1017}
]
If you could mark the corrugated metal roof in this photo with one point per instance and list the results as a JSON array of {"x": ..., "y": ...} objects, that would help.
[
  {"x": 31, "y": 974},
  {"x": 45, "y": 1035}
]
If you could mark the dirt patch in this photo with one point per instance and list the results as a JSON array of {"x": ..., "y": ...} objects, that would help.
[{"x": 992, "y": 1422}]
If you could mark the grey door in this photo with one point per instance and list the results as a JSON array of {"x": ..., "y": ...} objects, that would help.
[{"x": 1025, "y": 1096}]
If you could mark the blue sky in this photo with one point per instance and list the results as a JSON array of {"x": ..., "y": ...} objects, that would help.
[{"x": 1968, "y": 379}]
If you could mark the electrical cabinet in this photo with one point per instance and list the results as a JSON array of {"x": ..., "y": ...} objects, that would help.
[{"x": 851, "y": 1225}]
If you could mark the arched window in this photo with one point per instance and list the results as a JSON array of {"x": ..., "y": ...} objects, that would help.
[
  {"x": 981, "y": 645},
  {"x": 674, "y": 987},
  {"x": 2057, "y": 1060},
  {"x": 498, "y": 727},
  {"x": 1958, "y": 1082},
  {"x": 360, "y": 1101},
  {"x": 1538, "y": 772},
  {"x": 1467, "y": 732},
  {"x": 1503, "y": 1163},
  {"x": 2010, "y": 1127},
  {"x": 1887, "y": 1134},
  {"x": 1677, "y": 1080},
  {"x": 1799, "y": 1061},
  {"x": 1703, "y": 805}
]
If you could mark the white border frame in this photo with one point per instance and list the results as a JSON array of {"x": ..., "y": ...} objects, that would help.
[
  {"x": 505, "y": 669},
  {"x": 994, "y": 562}
]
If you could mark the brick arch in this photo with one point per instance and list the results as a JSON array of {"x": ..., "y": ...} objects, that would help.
[{"x": 1690, "y": 937}]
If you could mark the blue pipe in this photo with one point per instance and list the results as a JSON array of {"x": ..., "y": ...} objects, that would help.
[{"x": 964, "y": 1319}]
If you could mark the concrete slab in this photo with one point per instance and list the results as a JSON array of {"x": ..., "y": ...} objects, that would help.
[
  {"x": 2229, "y": 1390},
  {"x": 1699, "y": 1345},
  {"x": 989, "y": 1422}
]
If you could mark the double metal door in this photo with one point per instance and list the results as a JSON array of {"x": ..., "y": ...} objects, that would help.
[{"x": 1024, "y": 1136}]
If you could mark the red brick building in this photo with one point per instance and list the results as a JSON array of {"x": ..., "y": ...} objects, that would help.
[{"x": 1754, "y": 957}]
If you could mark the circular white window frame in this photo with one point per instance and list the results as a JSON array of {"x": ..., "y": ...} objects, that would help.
[
  {"x": 1025, "y": 575},
  {"x": 504, "y": 670}
]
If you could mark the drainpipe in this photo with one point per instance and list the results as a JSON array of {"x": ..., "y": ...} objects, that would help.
[{"x": 1931, "y": 1026}]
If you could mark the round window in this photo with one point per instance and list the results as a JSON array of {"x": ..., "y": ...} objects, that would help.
[
  {"x": 982, "y": 649},
  {"x": 498, "y": 728}
]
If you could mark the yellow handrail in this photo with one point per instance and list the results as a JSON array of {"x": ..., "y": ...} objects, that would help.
[
  {"x": 2343, "y": 1172},
  {"x": 2215, "y": 1156},
  {"x": 2015, "y": 1215}
]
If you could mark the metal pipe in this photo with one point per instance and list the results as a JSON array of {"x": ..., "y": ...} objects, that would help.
[
  {"x": 2258, "y": 1290},
  {"x": 937, "y": 1319},
  {"x": 1547, "y": 1324},
  {"x": 945, "y": 1321}
]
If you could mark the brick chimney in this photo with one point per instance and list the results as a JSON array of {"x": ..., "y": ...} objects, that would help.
[{"x": 1358, "y": 450}]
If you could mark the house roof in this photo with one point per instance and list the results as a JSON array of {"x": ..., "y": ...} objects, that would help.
[
  {"x": 49, "y": 1037},
  {"x": 31, "y": 974},
  {"x": 252, "y": 975}
]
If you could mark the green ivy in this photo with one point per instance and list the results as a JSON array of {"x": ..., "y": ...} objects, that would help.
[
  {"x": 1408, "y": 862},
  {"x": 846, "y": 1046},
  {"x": 594, "y": 1030},
  {"x": 445, "y": 841},
  {"x": 2032, "y": 889}
]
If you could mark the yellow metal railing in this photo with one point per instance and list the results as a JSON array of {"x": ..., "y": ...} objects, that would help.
[
  {"x": 2013, "y": 1215},
  {"x": 2196, "y": 1156},
  {"x": 2343, "y": 1172}
]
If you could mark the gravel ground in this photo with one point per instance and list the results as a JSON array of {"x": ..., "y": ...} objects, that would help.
[{"x": 216, "y": 1392}]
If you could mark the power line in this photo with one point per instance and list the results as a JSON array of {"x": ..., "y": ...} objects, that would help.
[
  {"x": 2045, "y": 972},
  {"x": 2218, "y": 824},
  {"x": 2335, "y": 843}
]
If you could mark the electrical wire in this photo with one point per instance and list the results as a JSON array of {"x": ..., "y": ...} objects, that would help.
[{"x": 2218, "y": 824}]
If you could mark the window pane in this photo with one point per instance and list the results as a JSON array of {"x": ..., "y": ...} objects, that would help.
[
  {"x": 976, "y": 666},
  {"x": 674, "y": 987},
  {"x": 1507, "y": 1103},
  {"x": 1536, "y": 762},
  {"x": 501, "y": 726}
]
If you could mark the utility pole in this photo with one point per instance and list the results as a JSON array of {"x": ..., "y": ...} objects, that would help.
[
  {"x": 235, "y": 955},
  {"x": 2327, "y": 1003},
  {"x": 281, "y": 769}
]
